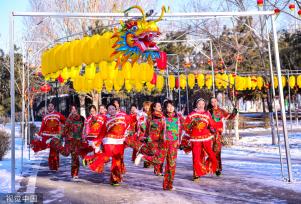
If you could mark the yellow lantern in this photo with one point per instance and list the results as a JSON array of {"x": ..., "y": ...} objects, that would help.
[
  {"x": 101, "y": 48},
  {"x": 57, "y": 52},
  {"x": 120, "y": 78},
  {"x": 64, "y": 55},
  {"x": 77, "y": 52},
  {"x": 94, "y": 51},
  {"x": 108, "y": 85},
  {"x": 126, "y": 68},
  {"x": 70, "y": 54},
  {"x": 143, "y": 72},
  {"x": 254, "y": 82},
  {"x": 45, "y": 64},
  {"x": 182, "y": 81},
  {"x": 275, "y": 82},
  {"x": 97, "y": 83},
  {"x": 248, "y": 83},
  {"x": 81, "y": 83},
  {"x": 85, "y": 47},
  {"x": 171, "y": 81},
  {"x": 150, "y": 86},
  {"x": 138, "y": 86},
  {"x": 112, "y": 70},
  {"x": 260, "y": 82},
  {"x": 90, "y": 71},
  {"x": 239, "y": 83},
  {"x": 283, "y": 79},
  {"x": 65, "y": 74},
  {"x": 201, "y": 80},
  {"x": 225, "y": 80},
  {"x": 191, "y": 80},
  {"x": 208, "y": 81},
  {"x": 128, "y": 85},
  {"x": 292, "y": 82},
  {"x": 135, "y": 72},
  {"x": 74, "y": 72},
  {"x": 231, "y": 77},
  {"x": 149, "y": 72},
  {"x": 160, "y": 82},
  {"x": 103, "y": 69},
  {"x": 105, "y": 42},
  {"x": 218, "y": 81},
  {"x": 90, "y": 86}
]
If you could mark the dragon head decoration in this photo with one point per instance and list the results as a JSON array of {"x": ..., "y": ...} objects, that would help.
[{"x": 135, "y": 38}]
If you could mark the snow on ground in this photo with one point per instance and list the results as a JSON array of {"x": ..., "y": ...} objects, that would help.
[
  {"x": 5, "y": 164},
  {"x": 255, "y": 154}
]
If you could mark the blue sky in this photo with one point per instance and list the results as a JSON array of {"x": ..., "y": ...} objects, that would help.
[{"x": 6, "y": 6}]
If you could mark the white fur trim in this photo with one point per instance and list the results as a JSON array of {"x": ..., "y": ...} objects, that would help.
[
  {"x": 109, "y": 140},
  {"x": 201, "y": 140},
  {"x": 50, "y": 135}
]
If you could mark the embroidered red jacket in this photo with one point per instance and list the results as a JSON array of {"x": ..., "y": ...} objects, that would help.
[
  {"x": 93, "y": 126},
  {"x": 155, "y": 127},
  {"x": 133, "y": 128},
  {"x": 218, "y": 114},
  {"x": 198, "y": 124},
  {"x": 115, "y": 128},
  {"x": 52, "y": 124}
]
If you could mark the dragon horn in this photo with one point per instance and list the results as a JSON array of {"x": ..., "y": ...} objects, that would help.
[
  {"x": 137, "y": 7},
  {"x": 163, "y": 10}
]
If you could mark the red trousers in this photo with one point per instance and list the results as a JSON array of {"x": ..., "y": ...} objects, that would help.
[
  {"x": 217, "y": 148},
  {"x": 200, "y": 167},
  {"x": 169, "y": 152},
  {"x": 54, "y": 159},
  {"x": 71, "y": 146},
  {"x": 97, "y": 161}
]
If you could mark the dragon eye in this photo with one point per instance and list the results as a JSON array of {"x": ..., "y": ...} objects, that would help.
[{"x": 134, "y": 28}]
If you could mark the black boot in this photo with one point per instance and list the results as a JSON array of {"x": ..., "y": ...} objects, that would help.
[{"x": 218, "y": 173}]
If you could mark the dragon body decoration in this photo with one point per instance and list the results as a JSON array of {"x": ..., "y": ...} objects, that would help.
[{"x": 133, "y": 40}]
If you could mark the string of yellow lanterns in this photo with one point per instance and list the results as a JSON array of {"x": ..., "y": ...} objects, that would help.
[
  {"x": 133, "y": 78},
  {"x": 70, "y": 55}
]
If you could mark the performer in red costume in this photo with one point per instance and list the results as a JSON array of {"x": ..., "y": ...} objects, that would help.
[
  {"x": 133, "y": 130},
  {"x": 155, "y": 126},
  {"x": 73, "y": 140},
  {"x": 138, "y": 143},
  {"x": 113, "y": 145},
  {"x": 172, "y": 138},
  {"x": 199, "y": 126},
  {"x": 218, "y": 114},
  {"x": 116, "y": 102},
  {"x": 92, "y": 132},
  {"x": 51, "y": 127}
]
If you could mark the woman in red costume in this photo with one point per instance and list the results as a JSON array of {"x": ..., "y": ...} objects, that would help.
[
  {"x": 51, "y": 128},
  {"x": 113, "y": 139},
  {"x": 199, "y": 126},
  {"x": 133, "y": 130},
  {"x": 155, "y": 126},
  {"x": 218, "y": 114},
  {"x": 92, "y": 132},
  {"x": 172, "y": 138},
  {"x": 73, "y": 140}
]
